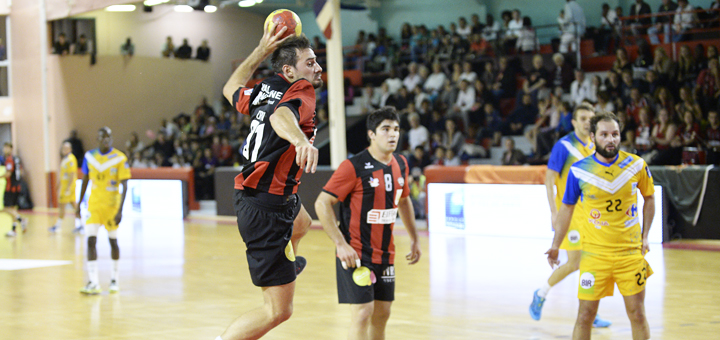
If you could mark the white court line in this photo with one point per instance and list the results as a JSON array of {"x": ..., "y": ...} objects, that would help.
[{"x": 13, "y": 264}]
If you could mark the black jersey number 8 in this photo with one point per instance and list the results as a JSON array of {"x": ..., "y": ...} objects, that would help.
[{"x": 256, "y": 131}]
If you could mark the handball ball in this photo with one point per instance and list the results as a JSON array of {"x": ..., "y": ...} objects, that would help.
[{"x": 285, "y": 18}]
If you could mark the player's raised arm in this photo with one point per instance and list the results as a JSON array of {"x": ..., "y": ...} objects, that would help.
[{"x": 286, "y": 126}]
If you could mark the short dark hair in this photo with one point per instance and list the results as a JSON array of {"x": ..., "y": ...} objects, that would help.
[
  {"x": 106, "y": 130},
  {"x": 583, "y": 107},
  {"x": 286, "y": 54},
  {"x": 603, "y": 117},
  {"x": 378, "y": 116}
]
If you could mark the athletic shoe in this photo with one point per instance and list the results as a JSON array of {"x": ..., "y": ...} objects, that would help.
[
  {"x": 11, "y": 233},
  {"x": 91, "y": 289},
  {"x": 79, "y": 230},
  {"x": 54, "y": 229},
  {"x": 300, "y": 263},
  {"x": 114, "y": 287},
  {"x": 600, "y": 323},
  {"x": 23, "y": 223},
  {"x": 536, "y": 306}
]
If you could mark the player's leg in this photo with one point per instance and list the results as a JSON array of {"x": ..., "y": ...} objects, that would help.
[
  {"x": 61, "y": 215},
  {"x": 635, "y": 307},
  {"x": 78, "y": 221},
  {"x": 301, "y": 225},
  {"x": 93, "y": 285},
  {"x": 115, "y": 255},
  {"x": 278, "y": 307},
  {"x": 380, "y": 317},
  {"x": 361, "y": 315},
  {"x": 586, "y": 314}
]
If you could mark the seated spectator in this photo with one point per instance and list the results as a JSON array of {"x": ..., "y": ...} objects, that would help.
[
  {"x": 61, "y": 46},
  {"x": 370, "y": 98},
  {"x": 225, "y": 152},
  {"x": 490, "y": 32},
  {"x": 641, "y": 137},
  {"x": 493, "y": 125},
  {"x": 468, "y": 73},
  {"x": 565, "y": 125},
  {"x": 452, "y": 139},
  {"x": 561, "y": 74},
  {"x": 535, "y": 80},
  {"x": 162, "y": 146},
  {"x": 644, "y": 60},
  {"x": 137, "y": 161},
  {"x": 128, "y": 48},
  {"x": 416, "y": 183},
  {"x": 209, "y": 128},
  {"x": 436, "y": 80},
  {"x": 134, "y": 145},
  {"x": 626, "y": 86},
  {"x": 463, "y": 28},
  {"x": 439, "y": 156},
  {"x": 420, "y": 97},
  {"x": 622, "y": 63},
  {"x": 386, "y": 97},
  {"x": 83, "y": 46},
  {"x": 664, "y": 100},
  {"x": 684, "y": 20},
  {"x": 488, "y": 76},
  {"x": 708, "y": 86},
  {"x": 456, "y": 72},
  {"x": 393, "y": 81},
  {"x": 203, "y": 51},
  {"x": 418, "y": 134},
  {"x": 478, "y": 47},
  {"x": 403, "y": 98},
  {"x": 205, "y": 165},
  {"x": 663, "y": 65},
  {"x": 451, "y": 158},
  {"x": 159, "y": 161},
  {"x": 465, "y": 102},
  {"x": 542, "y": 135},
  {"x": 689, "y": 132},
  {"x": 637, "y": 25},
  {"x": 687, "y": 68},
  {"x": 603, "y": 103},
  {"x": 437, "y": 122},
  {"x": 712, "y": 138},
  {"x": 505, "y": 82},
  {"x": 184, "y": 51},
  {"x": 613, "y": 84},
  {"x": 662, "y": 22},
  {"x": 513, "y": 31},
  {"x": 580, "y": 89},
  {"x": 169, "y": 48},
  {"x": 650, "y": 84},
  {"x": 687, "y": 102},
  {"x": 523, "y": 116},
  {"x": 413, "y": 79},
  {"x": 512, "y": 156},
  {"x": 663, "y": 135},
  {"x": 418, "y": 159},
  {"x": 637, "y": 101}
]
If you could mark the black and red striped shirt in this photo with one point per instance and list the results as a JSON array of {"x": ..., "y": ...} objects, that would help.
[
  {"x": 370, "y": 191},
  {"x": 270, "y": 159}
]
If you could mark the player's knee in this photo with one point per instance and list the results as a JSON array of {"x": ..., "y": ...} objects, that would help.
[
  {"x": 381, "y": 315},
  {"x": 280, "y": 314},
  {"x": 91, "y": 241},
  {"x": 636, "y": 314},
  {"x": 364, "y": 314},
  {"x": 586, "y": 315}
]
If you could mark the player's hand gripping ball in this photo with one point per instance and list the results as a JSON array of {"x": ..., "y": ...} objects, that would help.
[{"x": 285, "y": 18}]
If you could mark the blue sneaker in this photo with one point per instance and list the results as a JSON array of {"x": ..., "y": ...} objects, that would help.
[
  {"x": 536, "y": 306},
  {"x": 600, "y": 323}
]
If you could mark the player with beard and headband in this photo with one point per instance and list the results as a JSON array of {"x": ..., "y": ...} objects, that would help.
[
  {"x": 614, "y": 240},
  {"x": 270, "y": 217}
]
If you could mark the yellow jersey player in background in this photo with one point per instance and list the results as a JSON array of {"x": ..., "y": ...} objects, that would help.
[
  {"x": 107, "y": 168},
  {"x": 614, "y": 241},
  {"x": 66, "y": 187},
  {"x": 573, "y": 147}
]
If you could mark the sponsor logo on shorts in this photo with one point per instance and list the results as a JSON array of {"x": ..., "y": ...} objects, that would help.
[
  {"x": 573, "y": 236},
  {"x": 587, "y": 280},
  {"x": 388, "y": 275}
]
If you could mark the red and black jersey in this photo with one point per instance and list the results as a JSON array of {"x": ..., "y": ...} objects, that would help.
[
  {"x": 270, "y": 159},
  {"x": 370, "y": 191}
]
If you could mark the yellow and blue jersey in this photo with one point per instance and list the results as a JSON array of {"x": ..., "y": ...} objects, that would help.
[
  {"x": 106, "y": 171},
  {"x": 565, "y": 153},
  {"x": 68, "y": 173},
  {"x": 608, "y": 191}
]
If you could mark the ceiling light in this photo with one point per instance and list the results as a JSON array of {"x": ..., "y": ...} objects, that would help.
[
  {"x": 154, "y": 2},
  {"x": 183, "y": 8},
  {"x": 120, "y": 8},
  {"x": 210, "y": 9},
  {"x": 246, "y": 3}
]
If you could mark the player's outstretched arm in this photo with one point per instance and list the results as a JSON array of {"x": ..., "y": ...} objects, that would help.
[
  {"x": 648, "y": 215},
  {"x": 286, "y": 126},
  {"x": 83, "y": 189},
  {"x": 407, "y": 214},
  {"x": 268, "y": 44},
  {"x": 561, "y": 227},
  {"x": 323, "y": 207}
]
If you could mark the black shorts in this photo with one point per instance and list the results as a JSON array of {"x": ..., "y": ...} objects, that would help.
[
  {"x": 265, "y": 223},
  {"x": 350, "y": 292},
  {"x": 11, "y": 198}
]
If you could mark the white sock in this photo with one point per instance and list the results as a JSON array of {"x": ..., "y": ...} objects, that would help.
[
  {"x": 59, "y": 222},
  {"x": 78, "y": 223},
  {"x": 115, "y": 271},
  {"x": 544, "y": 290},
  {"x": 92, "y": 268}
]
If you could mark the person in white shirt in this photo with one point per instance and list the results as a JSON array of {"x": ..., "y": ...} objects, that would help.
[
  {"x": 492, "y": 27},
  {"x": 580, "y": 88},
  {"x": 435, "y": 81},
  {"x": 465, "y": 101},
  {"x": 463, "y": 28},
  {"x": 468, "y": 73},
  {"x": 418, "y": 135},
  {"x": 394, "y": 82},
  {"x": 527, "y": 39},
  {"x": 573, "y": 26},
  {"x": 685, "y": 19},
  {"x": 413, "y": 79},
  {"x": 515, "y": 25}
]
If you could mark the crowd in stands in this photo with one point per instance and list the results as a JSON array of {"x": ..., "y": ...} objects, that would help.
[
  {"x": 83, "y": 45},
  {"x": 461, "y": 90}
]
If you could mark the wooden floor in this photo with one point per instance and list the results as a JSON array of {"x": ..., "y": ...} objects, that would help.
[{"x": 189, "y": 280}]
